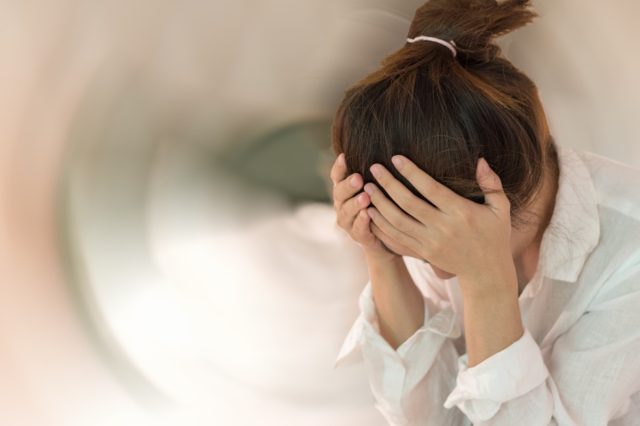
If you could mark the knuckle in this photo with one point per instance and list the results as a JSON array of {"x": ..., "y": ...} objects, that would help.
[
  {"x": 410, "y": 168},
  {"x": 358, "y": 181},
  {"x": 387, "y": 226},
  {"x": 337, "y": 194},
  {"x": 434, "y": 188},
  {"x": 395, "y": 219},
  {"x": 468, "y": 217},
  {"x": 408, "y": 202},
  {"x": 409, "y": 172},
  {"x": 408, "y": 229},
  {"x": 384, "y": 180},
  {"x": 351, "y": 207},
  {"x": 399, "y": 224},
  {"x": 402, "y": 239},
  {"x": 414, "y": 174},
  {"x": 421, "y": 211},
  {"x": 403, "y": 197},
  {"x": 345, "y": 185},
  {"x": 345, "y": 188}
]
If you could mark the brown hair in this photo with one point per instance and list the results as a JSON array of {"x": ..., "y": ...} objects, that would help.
[{"x": 444, "y": 112}]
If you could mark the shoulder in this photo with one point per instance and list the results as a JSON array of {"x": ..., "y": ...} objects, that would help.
[
  {"x": 616, "y": 184},
  {"x": 618, "y": 200}
]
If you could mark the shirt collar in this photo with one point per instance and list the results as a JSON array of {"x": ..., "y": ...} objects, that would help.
[{"x": 574, "y": 227}]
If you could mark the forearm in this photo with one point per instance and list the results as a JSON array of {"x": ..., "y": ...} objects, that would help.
[
  {"x": 492, "y": 319},
  {"x": 399, "y": 303}
]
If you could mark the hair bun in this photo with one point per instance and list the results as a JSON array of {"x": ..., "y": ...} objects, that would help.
[{"x": 472, "y": 24}]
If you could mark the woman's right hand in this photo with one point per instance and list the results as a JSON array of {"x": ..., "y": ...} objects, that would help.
[{"x": 352, "y": 214}]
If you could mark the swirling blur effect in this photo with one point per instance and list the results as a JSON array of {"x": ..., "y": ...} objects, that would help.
[{"x": 168, "y": 248}]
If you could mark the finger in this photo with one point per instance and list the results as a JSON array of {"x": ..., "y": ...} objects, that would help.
[
  {"x": 345, "y": 189},
  {"x": 392, "y": 245},
  {"x": 351, "y": 207},
  {"x": 444, "y": 198},
  {"x": 338, "y": 170},
  {"x": 419, "y": 209},
  {"x": 386, "y": 240},
  {"x": 393, "y": 232},
  {"x": 392, "y": 213},
  {"x": 361, "y": 230},
  {"x": 491, "y": 185}
]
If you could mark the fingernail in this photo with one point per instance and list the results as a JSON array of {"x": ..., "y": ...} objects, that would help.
[
  {"x": 354, "y": 181},
  {"x": 375, "y": 170},
  {"x": 369, "y": 189},
  {"x": 341, "y": 159},
  {"x": 361, "y": 198},
  {"x": 397, "y": 161}
]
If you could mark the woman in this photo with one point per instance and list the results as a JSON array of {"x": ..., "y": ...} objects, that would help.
[{"x": 504, "y": 269}]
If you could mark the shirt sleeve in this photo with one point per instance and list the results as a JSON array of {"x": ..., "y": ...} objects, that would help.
[
  {"x": 486, "y": 389},
  {"x": 593, "y": 370},
  {"x": 591, "y": 373},
  {"x": 409, "y": 384}
]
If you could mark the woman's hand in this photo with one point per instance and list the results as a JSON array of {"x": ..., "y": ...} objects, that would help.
[
  {"x": 352, "y": 217},
  {"x": 459, "y": 236}
]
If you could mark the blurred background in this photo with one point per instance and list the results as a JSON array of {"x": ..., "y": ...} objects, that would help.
[{"x": 168, "y": 247}]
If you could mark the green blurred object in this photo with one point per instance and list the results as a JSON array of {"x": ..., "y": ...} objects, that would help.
[{"x": 293, "y": 160}]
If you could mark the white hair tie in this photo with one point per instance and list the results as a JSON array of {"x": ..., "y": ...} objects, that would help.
[{"x": 451, "y": 45}]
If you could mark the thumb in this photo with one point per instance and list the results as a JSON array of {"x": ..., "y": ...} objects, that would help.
[{"x": 491, "y": 184}]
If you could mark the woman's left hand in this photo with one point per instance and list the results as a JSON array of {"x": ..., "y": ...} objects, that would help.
[{"x": 460, "y": 236}]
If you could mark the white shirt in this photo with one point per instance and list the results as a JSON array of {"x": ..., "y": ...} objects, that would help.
[{"x": 578, "y": 361}]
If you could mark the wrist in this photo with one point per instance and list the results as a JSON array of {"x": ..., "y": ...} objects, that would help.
[
  {"x": 381, "y": 258},
  {"x": 494, "y": 284},
  {"x": 500, "y": 296},
  {"x": 381, "y": 265}
]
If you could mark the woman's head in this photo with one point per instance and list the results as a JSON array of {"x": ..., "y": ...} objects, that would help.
[{"x": 444, "y": 112}]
